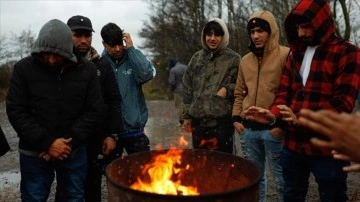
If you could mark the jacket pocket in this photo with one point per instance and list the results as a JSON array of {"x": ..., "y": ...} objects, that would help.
[{"x": 219, "y": 107}]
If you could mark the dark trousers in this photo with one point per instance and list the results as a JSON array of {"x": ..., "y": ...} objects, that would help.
[
  {"x": 37, "y": 175},
  {"x": 327, "y": 171},
  {"x": 96, "y": 166},
  {"x": 217, "y": 138},
  {"x": 134, "y": 144}
]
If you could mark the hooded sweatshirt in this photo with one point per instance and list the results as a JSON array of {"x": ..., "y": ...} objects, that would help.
[
  {"x": 54, "y": 38},
  {"x": 258, "y": 78},
  {"x": 207, "y": 72},
  {"x": 333, "y": 79},
  {"x": 46, "y": 102}
]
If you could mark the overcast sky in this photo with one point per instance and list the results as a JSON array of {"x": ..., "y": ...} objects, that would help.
[{"x": 19, "y": 15}]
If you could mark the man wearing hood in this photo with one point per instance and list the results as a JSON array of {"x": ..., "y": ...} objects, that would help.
[
  {"x": 176, "y": 73},
  {"x": 208, "y": 93},
  {"x": 100, "y": 149},
  {"x": 322, "y": 72},
  {"x": 258, "y": 79},
  {"x": 53, "y": 103}
]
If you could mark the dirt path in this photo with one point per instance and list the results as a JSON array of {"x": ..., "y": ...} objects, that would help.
[{"x": 162, "y": 131}]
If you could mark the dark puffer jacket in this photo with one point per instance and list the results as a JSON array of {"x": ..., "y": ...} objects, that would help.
[
  {"x": 110, "y": 121},
  {"x": 45, "y": 102}
]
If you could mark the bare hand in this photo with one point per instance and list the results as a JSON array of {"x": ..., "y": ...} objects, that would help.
[
  {"x": 222, "y": 92},
  {"x": 259, "y": 115},
  {"x": 188, "y": 125},
  {"x": 239, "y": 127},
  {"x": 341, "y": 129},
  {"x": 288, "y": 115},
  {"x": 128, "y": 40},
  {"x": 109, "y": 144},
  {"x": 354, "y": 167},
  {"x": 45, "y": 156},
  {"x": 60, "y": 148}
]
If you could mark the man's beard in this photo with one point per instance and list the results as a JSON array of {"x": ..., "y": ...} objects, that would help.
[
  {"x": 83, "y": 50},
  {"x": 309, "y": 41}
]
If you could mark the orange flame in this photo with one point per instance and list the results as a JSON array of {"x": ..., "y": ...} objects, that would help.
[{"x": 164, "y": 173}]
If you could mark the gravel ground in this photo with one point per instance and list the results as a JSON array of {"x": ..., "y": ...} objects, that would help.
[{"x": 162, "y": 130}]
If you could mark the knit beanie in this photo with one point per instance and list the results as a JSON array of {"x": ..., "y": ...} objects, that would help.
[{"x": 258, "y": 22}]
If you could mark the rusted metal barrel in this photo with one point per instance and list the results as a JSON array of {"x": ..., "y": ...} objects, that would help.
[{"x": 220, "y": 177}]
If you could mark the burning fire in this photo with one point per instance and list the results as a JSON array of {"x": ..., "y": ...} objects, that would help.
[{"x": 164, "y": 173}]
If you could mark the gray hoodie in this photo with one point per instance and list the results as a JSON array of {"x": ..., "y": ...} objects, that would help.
[{"x": 55, "y": 37}]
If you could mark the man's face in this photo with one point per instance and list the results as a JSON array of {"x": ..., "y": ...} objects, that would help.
[
  {"x": 213, "y": 40},
  {"x": 259, "y": 37},
  {"x": 115, "y": 51},
  {"x": 52, "y": 59},
  {"x": 306, "y": 32},
  {"x": 82, "y": 40}
]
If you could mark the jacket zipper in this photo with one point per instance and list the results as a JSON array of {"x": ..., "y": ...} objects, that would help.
[{"x": 258, "y": 79}]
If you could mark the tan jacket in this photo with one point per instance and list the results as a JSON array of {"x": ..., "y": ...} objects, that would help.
[{"x": 257, "y": 82}]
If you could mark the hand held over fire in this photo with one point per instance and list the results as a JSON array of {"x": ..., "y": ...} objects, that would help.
[
  {"x": 288, "y": 115},
  {"x": 259, "y": 115}
]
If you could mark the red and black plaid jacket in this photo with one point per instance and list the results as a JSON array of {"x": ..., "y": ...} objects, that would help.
[{"x": 334, "y": 75}]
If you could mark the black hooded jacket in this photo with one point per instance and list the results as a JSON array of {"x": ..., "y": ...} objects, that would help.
[{"x": 45, "y": 103}]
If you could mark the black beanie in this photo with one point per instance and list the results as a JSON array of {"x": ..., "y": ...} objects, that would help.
[{"x": 257, "y": 22}]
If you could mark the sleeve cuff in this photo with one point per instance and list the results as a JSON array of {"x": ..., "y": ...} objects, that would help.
[{"x": 237, "y": 119}]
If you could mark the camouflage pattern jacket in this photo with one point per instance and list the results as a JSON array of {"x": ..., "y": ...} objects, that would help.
[{"x": 207, "y": 72}]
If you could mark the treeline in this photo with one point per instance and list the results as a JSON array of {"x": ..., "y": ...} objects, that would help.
[
  {"x": 173, "y": 30},
  {"x": 174, "y": 27}
]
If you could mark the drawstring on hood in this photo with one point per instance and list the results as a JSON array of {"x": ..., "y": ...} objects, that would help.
[{"x": 55, "y": 37}]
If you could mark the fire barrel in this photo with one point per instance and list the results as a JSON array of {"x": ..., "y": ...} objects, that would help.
[{"x": 219, "y": 177}]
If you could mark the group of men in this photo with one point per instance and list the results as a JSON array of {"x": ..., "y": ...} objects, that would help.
[
  {"x": 276, "y": 98},
  {"x": 75, "y": 110}
]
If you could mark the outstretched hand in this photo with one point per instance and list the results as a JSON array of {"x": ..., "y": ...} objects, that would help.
[
  {"x": 355, "y": 167},
  {"x": 287, "y": 114},
  {"x": 342, "y": 130},
  {"x": 259, "y": 115}
]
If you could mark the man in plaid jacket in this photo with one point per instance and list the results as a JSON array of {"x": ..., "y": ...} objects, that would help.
[{"x": 322, "y": 72}]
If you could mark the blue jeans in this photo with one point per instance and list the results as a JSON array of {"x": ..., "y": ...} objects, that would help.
[
  {"x": 37, "y": 175},
  {"x": 259, "y": 146},
  {"x": 327, "y": 171}
]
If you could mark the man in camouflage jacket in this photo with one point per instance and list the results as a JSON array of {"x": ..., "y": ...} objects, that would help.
[{"x": 209, "y": 83}]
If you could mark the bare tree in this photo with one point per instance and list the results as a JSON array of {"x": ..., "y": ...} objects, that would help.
[
  {"x": 16, "y": 47},
  {"x": 4, "y": 51},
  {"x": 175, "y": 26},
  {"x": 22, "y": 43}
]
